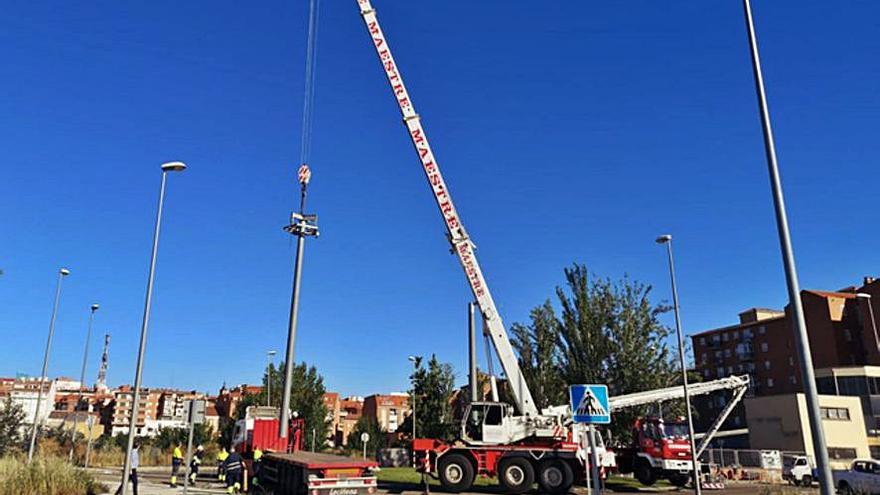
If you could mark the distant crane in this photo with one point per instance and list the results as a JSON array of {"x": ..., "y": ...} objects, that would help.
[{"x": 101, "y": 384}]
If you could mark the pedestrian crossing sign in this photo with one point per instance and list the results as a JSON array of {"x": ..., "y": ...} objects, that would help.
[{"x": 589, "y": 404}]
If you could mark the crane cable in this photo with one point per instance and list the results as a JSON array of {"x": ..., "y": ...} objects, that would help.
[{"x": 308, "y": 100}]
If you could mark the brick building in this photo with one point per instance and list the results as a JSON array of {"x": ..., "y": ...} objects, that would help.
[
  {"x": 350, "y": 411},
  {"x": 387, "y": 410},
  {"x": 762, "y": 346},
  {"x": 228, "y": 399}
]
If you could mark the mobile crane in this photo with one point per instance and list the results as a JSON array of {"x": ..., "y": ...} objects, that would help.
[{"x": 515, "y": 442}]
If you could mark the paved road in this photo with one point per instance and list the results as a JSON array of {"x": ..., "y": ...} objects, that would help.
[{"x": 154, "y": 481}]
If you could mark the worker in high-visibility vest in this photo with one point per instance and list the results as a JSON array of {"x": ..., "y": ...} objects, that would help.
[
  {"x": 221, "y": 459},
  {"x": 234, "y": 465},
  {"x": 194, "y": 464},
  {"x": 258, "y": 454},
  {"x": 176, "y": 462}
]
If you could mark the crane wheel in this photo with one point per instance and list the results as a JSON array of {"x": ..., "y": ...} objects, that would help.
[
  {"x": 516, "y": 474},
  {"x": 456, "y": 473},
  {"x": 555, "y": 477}
]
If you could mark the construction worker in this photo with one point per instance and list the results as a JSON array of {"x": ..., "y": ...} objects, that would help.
[
  {"x": 176, "y": 462},
  {"x": 233, "y": 465},
  {"x": 258, "y": 454},
  {"x": 194, "y": 464},
  {"x": 221, "y": 459}
]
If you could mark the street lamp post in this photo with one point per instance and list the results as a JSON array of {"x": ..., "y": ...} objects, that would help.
[
  {"x": 82, "y": 380},
  {"x": 415, "y": 360},
  {"x": 867, "y": 298},
  {"x": 61, "y": 274},
  {"x": 801, "y": 337},
  {"x": 667, "y": 239},
  {"x": 126, "y": 471},
  {"x": 269, "y": 355}
]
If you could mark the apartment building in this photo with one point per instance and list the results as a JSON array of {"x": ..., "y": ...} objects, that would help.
[
  {"x": 387, "y": 410},
  {"x": 25, "y": 392},
  {"x": 762, "y": 345},
  {"x": 146, "y": 421},
  {"x": 350, "y": 411}
]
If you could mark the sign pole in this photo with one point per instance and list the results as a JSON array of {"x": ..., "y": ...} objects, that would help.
[
  {"x": 189, "y": 444},
  {"x": 594, "y": 462}
]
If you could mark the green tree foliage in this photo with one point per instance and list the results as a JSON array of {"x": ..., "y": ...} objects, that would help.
[
  {"x": 606, "y": 332},
  {"x": 11, "y": 420},
  {"x": 378, "y": 436},
  {"x": 306, "y": 399},
  {"x": 168, "y": 438},
  {"x": 433, "y": 386},
  {"x": 537, "y": 346}
]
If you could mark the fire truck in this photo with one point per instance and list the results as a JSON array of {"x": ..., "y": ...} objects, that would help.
[
  {"x": 661, "y": 449},
  {"x": 287, "y": 469}
]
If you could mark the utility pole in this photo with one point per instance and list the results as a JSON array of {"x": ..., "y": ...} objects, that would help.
[
  {"x": 82, "y": 381},
  {"x": 61, "y": 274},
  {"x": 667, "y": 239},
  {"x": 801, "y": 337},
  {"x": 145, "y": 323},
  {"x": 302, "y": 226}
]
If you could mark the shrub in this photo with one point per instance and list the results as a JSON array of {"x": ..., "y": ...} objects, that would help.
[{"x": 45, "y": 476}]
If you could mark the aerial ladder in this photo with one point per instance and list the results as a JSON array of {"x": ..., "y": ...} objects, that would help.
[{"x": 529, "y": 421}]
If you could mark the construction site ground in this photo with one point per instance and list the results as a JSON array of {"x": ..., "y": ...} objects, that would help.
[{"x": 155, "y": 481}]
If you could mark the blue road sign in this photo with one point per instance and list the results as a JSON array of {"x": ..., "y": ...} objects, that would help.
[{"x": 589, "y": 404}]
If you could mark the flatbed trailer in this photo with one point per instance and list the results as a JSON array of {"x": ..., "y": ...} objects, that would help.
[{"x": 316, "y": 473}]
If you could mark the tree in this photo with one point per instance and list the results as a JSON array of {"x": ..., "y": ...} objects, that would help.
[
  {"x": 378, "y": 436},
  {"x": 168, "y": 438},
  {"x": 11, "y": 420},
  {"x": 306, "y": 399},
  {"x": 537, "y": 346},
  {"x": 606, "y": 332},
  {"x": 434, "y": 386}
]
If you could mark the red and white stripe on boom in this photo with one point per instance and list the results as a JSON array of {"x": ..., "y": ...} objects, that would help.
[{"x": 457, "y": 235}]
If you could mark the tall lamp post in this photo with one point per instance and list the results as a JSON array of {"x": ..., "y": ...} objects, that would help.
[
  {"x": 61, "y": 274},
  {"x": 269, "y": 355},
  {"x": 82, "y": 380},
  {"x": 802, "y": 342},
  {"x": 126, "y": 471},
  {"x": 667, "y": 240},
  {"x": 867, "y": 298},
  {"x": 416, "y": 361}
]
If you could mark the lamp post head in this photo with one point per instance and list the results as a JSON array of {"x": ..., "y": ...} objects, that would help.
[
  {"x": 94, "y": 307},
  {"x": 173, "y": 166},
  {"x": 862, "y": 295},
  {"x": 271, "y": 353},
  {"x": 663, "y": 239},
  {"x": 64, "y": 272}
]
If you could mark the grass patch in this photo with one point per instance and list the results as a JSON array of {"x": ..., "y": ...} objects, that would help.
[
  {"x": 45, "y": 476},
  {"x": 409, "y": 476},
  {"x": 615, "y": 483}
]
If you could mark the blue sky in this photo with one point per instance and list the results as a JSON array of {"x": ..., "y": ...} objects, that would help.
[{"x": 577, "y": 131}]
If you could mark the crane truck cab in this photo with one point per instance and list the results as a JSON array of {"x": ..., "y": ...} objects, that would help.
[{"x": 660, "y": 450}]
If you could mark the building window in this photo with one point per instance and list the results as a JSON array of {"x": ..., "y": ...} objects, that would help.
[
  {"x": 769, "y": 382},
  {"x": 766, "y": 365},
  {"x": 853, "y": 385},
  {"x": 720, "y": 371},
  {"x": 839, "y": 453},
  {"x": 792, "y": 379},
  {"x": 834, "y": 413},
  {"x": 702, "y": 340},
  {"x": 730, "y": 370},
  {"x": 707, "y": 372},
  {"x": 764, "y": 347},
  {"x": 791, "y": 360},
  {"x": 762, "y": 330},
  {"x": 875, "y": 452},
  {"x": 736, "y": 335},
  {"x": 847, "y": 335},
  {"x": 725, "y": 337},
  {"x": 705, "y": 358},
  {"x": 727, "y": 353}
]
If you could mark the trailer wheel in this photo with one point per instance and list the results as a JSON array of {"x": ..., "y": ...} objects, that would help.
[
  {"x": 456, "y": 472},
  {"x": 516, "y": 474},
  {"x": 645, "y": 473},
  {"x": 555, "y": 476},
  {"x": 679, "y": 480}
]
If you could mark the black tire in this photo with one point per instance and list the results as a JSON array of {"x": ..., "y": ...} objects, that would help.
[
  {"x": 555, "y": 477},
  {"x": 516, "y": 474},
  {"x": 456, "y": 473},
  {"x": 844, "y": 488},
  {"x": 645, "y": 473},
  {"x": 807, "y": 480},
  {"x": 679, "y": 480}
]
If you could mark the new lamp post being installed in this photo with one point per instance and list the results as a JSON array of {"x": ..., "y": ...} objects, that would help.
[
  {"x": 808, "y": 376},
  {"x": 61, "y": 274},
  {"x": 416, "y": 361},
  {"x": 82, "y": 381},
  {"x": 667, "y": 239},
  {"x": 132, "y": 420}
]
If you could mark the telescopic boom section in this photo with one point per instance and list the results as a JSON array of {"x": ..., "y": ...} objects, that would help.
[{"x": 461, "y": 244}]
